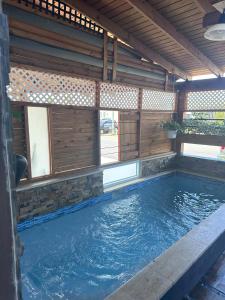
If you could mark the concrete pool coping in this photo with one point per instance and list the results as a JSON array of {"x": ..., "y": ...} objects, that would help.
[{"x": 175, "y": 272}]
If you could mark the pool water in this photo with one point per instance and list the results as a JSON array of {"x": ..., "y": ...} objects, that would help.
[{"x": 91, "y": 252}]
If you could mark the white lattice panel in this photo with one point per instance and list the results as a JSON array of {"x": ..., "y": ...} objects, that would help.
[
  {"x": 206, "y": 100},
  {"x": 158, "y": 100},
  {"x": 42, "y": 87},
  {"x": 118, "y": 96}
]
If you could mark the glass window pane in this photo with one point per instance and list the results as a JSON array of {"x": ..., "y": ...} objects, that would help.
[
  {"x": 120, "y": 173},
  {"x": 210, "y": 152},
  {"x": 39, "y": 141}
]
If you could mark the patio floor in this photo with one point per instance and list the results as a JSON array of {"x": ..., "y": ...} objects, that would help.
[{"x": 212, "y": 285}]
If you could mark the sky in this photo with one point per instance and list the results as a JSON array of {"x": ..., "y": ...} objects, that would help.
[{"x": 199, "y": 77}]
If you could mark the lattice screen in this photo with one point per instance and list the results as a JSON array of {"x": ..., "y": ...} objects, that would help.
[
  {"x": 206, "y": 100},
  {"x": 118, "y": 96},
  {"x": 42, "y": 87},
  {"x": 158, "y": 100}
]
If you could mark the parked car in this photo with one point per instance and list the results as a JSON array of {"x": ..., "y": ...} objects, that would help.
[{"x": 107, "y": 125}]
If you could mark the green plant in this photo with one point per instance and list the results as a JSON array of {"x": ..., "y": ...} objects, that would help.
[
  {"x": 203, "y": 127},
  {"x": 171, "y": 125}
]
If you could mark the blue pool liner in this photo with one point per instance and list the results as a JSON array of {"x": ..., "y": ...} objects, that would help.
[{"x": 103, "y": 197}]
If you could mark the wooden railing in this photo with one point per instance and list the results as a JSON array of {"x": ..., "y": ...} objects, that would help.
[{"x": 212, "y": 140}]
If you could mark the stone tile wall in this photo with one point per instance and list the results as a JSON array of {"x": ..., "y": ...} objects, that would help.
[
  {"x": 202, "y": 166},
  {"x": 158, "y": 164},
  {"x": 35, "y": 200},
  {"x": 47, "y": 196}
]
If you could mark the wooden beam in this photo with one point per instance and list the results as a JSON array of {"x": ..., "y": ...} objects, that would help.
[
  {"x": 166, "y": 81},
  {"x": 27, "y": 133},
  {"x": 202, "y": 85},
  {"x": 114, "y": 66},
  {"x": 98, "y": 127},
  {"x": 181, "y": 99},
  {"x": 213, "y": 140},
  {"x": 147, "y": 10},
  {"x": 139, "y": 122},
  {"x": 105, "y": 57},
  {"x": 146, "y": 51},
  {"x": 9, "y": 273},
  {"x": 204, "y": 6}
]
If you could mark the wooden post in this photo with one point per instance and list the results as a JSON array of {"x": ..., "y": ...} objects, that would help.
[
  {"x": 140, "y": 97},
  {"x": 181, "y": 103},
  {"x": 98, "y": 133},
  {"x": 27, "y": 134},
  {"x": 105, "y": 57},
  {"x": 166, "y": 81},
  {"x": 9, "y": 266},
  {"x": 50, "y": 140},
  {"x": 114, "y": 66}
]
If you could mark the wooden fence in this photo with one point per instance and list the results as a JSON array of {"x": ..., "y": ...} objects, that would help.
[{"x": 201, "y": 96}]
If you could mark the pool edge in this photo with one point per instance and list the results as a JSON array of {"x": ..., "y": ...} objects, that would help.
[
  {"x": 106, "y": 195},
  {"x": 177, "y": 270}
]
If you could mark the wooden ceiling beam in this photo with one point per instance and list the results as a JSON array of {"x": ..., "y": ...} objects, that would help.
[
  {"x": 210, "y": 84},
  {"x": 204, "y": 6},
  {"x": 147, "y": 10},
  {"x": 128, "y": 38}
]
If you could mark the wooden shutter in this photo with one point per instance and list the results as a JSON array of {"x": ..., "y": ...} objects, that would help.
[
  {"x": 128, "y": 135},
  {"x": 73, "y": 138},
  {"x": 153, "y": 138}
]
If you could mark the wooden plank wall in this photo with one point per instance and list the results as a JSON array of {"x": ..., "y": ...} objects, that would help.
[
  {"x": 128, "y": 130},
  {"x": 213, "y": 140},
  {"x": 73, "y": 134},
  {"x": 153, "y": 138},
  {"x": 41, "y": 42},
  {"x": 73, "y": 138},
  {"x": 19, "y": 135}
]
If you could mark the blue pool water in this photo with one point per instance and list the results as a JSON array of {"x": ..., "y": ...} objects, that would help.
[{"x": 91, "y": 252}]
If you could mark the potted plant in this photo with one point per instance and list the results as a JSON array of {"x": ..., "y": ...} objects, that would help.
[{"x": 172, "y": 127}]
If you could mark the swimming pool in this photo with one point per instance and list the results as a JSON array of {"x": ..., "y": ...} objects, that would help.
[{"x": 89, "y": 253}]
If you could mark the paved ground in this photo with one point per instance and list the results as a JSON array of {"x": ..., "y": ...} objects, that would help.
[
  {"x": 212, "y": 286},
  {"x": 109, "y": 148}
]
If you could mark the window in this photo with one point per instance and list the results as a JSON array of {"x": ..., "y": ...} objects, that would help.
[
  {"x": 119, "y": 136},
  {"x": 205, "y": 151},
  {"x": 122, "y": 173},
  {"x": 39, "y": 141},
  {"x": 109, "y": 136}
]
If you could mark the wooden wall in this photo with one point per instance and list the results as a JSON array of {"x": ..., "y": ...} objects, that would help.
[
  {"x": 19, "y": 135},
  {"x": 153, "y": 139},
  {"x": 212, "y": 140},
  {"x": 129, "y": 135},
  {"x": 73, "y": 138},
  {"x": 43, "y": 41}
]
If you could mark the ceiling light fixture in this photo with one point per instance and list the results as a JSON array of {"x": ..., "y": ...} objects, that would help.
[{"x": 217, "y": 32}]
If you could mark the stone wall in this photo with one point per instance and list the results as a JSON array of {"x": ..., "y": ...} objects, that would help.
[
  {"x": 37, "y": 199},
  {"x": 49, "y": 195},
  {"x": 156, "y": 164},
  {"x": 202, "y": 166}
]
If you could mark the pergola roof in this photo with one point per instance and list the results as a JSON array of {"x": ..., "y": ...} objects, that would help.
[{"x": 168, "y": 31}]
